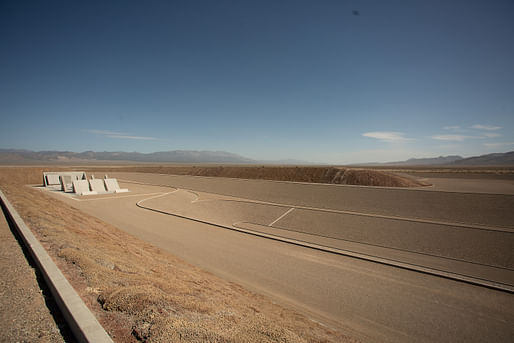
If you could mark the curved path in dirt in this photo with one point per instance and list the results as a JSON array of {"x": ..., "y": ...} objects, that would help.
[
  {"x": 425, "y": 244},
  {"x": 378, "y": 303}
]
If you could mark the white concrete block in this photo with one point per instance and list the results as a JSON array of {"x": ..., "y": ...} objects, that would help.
[
  {"x": 113, "y": 186},
  {"x": 81, "y": 187},
  {"x": 52, "y": 179},
  {"x": 97, "y": 185},
  {"x": 66, "y": 183}
]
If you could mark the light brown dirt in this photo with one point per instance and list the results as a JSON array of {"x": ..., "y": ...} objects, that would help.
[
  {"x": 24, "y": 315},
  {"x": 141, "y": 293},
  {"x": 332, "y": 175}
]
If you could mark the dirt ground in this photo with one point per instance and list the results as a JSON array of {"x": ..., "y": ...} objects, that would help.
[
  {"x": 25, "y": 314},
  {"x": 332, "y": 175},
  {"x": 141, "y": 293}
]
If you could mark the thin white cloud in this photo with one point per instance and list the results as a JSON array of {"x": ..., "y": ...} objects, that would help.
[
  {"x": 457, "y": 138},
  {"x": 387, "y": 136},
  {"x": 103, "y": 132},
  {"x": 485, "y": 127},
  {"x": 133, "y": 137},
  {"x": 497, "y": 145},
  {"x": 490, "y": 135},
  {"x": 119, "y": 135},
  {"x": 455, "y": 127}
]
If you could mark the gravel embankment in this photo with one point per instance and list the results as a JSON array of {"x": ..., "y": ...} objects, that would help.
[{"x": 24, "y": 315}]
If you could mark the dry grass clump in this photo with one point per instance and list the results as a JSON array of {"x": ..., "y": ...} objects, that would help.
[
  {"x": 347, "y": 176},
  {"x": 141, "y": 293}
]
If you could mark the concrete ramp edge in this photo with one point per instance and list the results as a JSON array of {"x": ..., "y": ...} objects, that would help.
[{"x": 83, "y": 324}]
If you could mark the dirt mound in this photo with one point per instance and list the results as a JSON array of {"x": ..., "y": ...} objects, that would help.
[
  {"x": 347, "y": 176},
  {"x": 141, "y": 293},
  {"x": 366, "y": 177}
]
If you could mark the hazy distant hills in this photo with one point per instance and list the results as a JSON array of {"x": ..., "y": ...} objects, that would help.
[
  {"x": 426, "y": 161},
  {"x": 179, "y": 156},
  {"x": 14, "y": 156},
  {"x": 506, "y": 158}
]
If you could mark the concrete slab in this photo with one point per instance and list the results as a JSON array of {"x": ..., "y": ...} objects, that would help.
[
  {"x": 52, "y": 179},
  {"x": 112, "y": 186},
  {"x": 81, "y": 187},
  {"x": 66, "y": 183},
  {"x": 97, "y": 185}
]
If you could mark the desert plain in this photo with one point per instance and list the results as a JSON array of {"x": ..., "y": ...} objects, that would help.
[{"x": 284, "y": 254}]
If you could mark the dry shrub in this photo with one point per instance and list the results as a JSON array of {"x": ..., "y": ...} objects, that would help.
[{"x": 134, "y": 299}]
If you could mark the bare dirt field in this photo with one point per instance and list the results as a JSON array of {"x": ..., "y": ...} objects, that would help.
[
  {"x": 330, "y": 175},
  {"x": 475, "y": 179},
  {"x": 466, "y": 233},
  {"x": 141, "y": 293}
]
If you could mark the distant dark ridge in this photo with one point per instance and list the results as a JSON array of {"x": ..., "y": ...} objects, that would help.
[
  {"x": 434, "y": 160},
  {"x": 17, "y": 156},
  {"x": 421, "y": 161},
  {"x": 496, "y": 159},
  {"x": 177, "y": 156}
]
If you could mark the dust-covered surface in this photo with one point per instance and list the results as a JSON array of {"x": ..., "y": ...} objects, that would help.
[
  {"x": 139, "y": 292},
  {"x": 331, "y": 175},
  {"x": 24, "y": 314}
]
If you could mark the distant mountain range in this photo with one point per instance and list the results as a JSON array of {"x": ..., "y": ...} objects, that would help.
[
  {"x": 179, "y": 156},
  {"x": 426, "y": 161},
  {"x": 506, "y": 158},
  {"x": 14, "y": 156}
]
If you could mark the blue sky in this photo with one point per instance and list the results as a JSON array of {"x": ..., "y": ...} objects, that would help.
[{"x": 306, "y": 80}]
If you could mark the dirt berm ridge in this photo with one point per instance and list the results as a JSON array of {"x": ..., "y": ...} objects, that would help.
[{"x": 330, "y": 175}]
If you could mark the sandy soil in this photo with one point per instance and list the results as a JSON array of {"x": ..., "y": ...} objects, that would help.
[
  {"x": 378, "y": 303},
  {"x": 141, "y": 293},
  {"x": 418, "y": 203},
  {"x": 24, "y": 315}
]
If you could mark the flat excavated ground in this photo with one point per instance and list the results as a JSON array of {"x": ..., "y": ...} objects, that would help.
[
  {"x": 142, "y": 293},
  {"x": 468, "y": 233},
  {"x": 371, "y": 301}
]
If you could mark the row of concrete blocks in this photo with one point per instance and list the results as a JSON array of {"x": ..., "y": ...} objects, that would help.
[
  {"x": 97, "y": 186},
  {"x": 61, "y": 180},
  {"x": 77, "y": 182}
]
